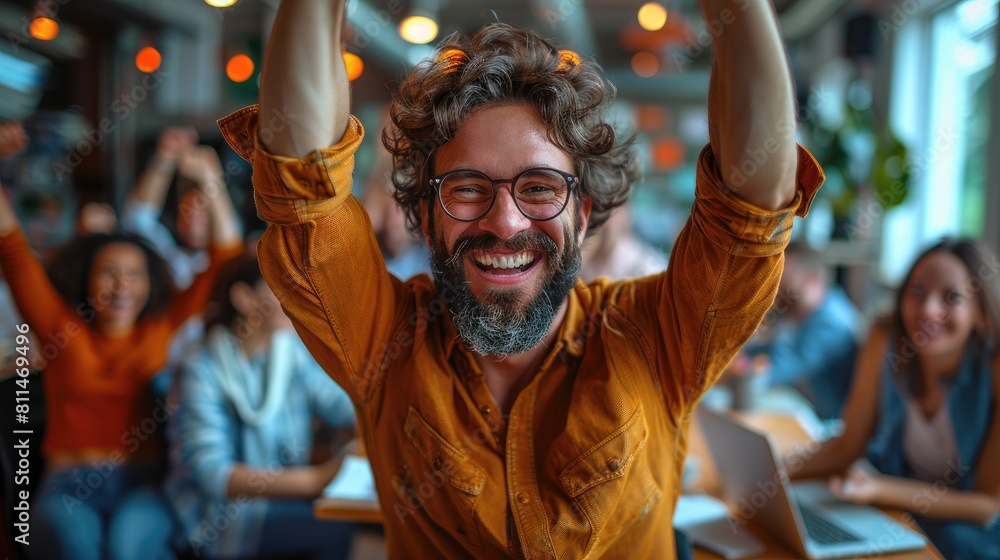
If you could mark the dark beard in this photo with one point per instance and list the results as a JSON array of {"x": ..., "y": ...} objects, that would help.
[{"x": 501, "y": 325}]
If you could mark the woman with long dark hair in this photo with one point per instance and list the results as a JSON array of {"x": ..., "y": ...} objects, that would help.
[
  {"x": 104, "y": 321},
  {"x": 923, "y": 407}
]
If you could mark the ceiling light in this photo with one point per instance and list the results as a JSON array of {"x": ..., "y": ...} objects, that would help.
[
  {"x": 652, "y": 16},
  {"x": 418, "y": 29}
]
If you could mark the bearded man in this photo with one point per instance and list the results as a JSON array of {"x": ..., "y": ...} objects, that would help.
[{"x": 509, "y": 410}]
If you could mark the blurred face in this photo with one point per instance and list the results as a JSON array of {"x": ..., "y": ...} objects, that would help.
[
  {"x": 119, "y": 286},
  {"x": 270, "y": 307},
  {"x": 192, "y": 220},
  {"x": 938, "y": 310},
  {"x": 509, "y": 274},
  {"x": 259, "y": 309}
]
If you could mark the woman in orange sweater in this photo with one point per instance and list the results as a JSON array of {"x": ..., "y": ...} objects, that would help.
[{"x": 101, "y": 341}]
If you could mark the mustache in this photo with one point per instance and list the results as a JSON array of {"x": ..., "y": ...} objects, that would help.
[{"x": 521, "y": 241}]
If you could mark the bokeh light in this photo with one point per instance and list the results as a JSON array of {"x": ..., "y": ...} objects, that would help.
[
  {"x": 44, "y": 29},
  {"x": 418, "y": 30},
  {"x": 148, "y": 59},
  {"x": 652, "y": 16},
  {"x": 355, "y": 66},
  {"x": 239, "y": 68}
]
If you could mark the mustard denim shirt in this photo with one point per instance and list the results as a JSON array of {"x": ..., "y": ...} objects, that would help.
[{"x": 588, "y": 462}]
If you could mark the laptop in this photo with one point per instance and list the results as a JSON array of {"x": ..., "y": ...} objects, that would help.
[{"x": 804, "y": 515}]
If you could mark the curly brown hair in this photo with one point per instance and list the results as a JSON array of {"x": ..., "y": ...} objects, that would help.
[{"x": 501, "y": 64}]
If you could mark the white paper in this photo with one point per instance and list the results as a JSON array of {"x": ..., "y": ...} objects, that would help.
[
  {"x": 354, "y": 481},
  {"x": 707, "y": 522},
  {"x": 696, "y": 508}
]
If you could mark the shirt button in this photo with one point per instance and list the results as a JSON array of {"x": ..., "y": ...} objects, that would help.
[
  {"x": 523, "y": 498},
  {"x": 438, "y": 463},
  {"x": 486, "y": 410},
  {"x": 614, "y": 465}
]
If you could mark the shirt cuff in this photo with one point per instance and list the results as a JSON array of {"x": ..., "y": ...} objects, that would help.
[
  {"x": 723, "y": 216},
  {"x": 288, "y": 190}
]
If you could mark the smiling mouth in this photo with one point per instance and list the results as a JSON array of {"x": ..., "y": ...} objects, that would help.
[{"x": 504, "y": 264}]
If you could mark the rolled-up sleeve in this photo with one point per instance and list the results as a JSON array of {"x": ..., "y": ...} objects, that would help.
[
  {"x": 288, "y": 190},
  {"x": 723, "y": 276},
  {"x": 319, "y": 254}
]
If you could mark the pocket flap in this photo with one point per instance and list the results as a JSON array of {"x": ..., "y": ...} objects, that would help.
[
  {"x": 608, "y": 459},
  {"x": 443, "y": 458}
]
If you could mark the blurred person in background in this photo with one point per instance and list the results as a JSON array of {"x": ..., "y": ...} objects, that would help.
[
  {"x": 242, "y": 433},
  {"x": 12, "y": 140},
  {"x": 811, "y": 336},
  {"x": 405, "y": 254},
  {"x": 616, "y": 252},
  {"x": 203, "y": 198},
  {"x": 106, "y": 317},
  {"x": 924, "y": 407}
]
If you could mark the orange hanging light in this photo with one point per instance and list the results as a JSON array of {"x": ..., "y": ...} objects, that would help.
[
  {"x": 239, "y": 68},
  {"x": 148, "y": 59}
]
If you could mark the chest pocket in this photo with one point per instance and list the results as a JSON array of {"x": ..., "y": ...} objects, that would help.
[
  {"x": 437, "y": 482},
  {"x": 611, "y": 482}
]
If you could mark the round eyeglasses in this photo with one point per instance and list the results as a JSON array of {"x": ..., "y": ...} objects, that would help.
[{"x": 540, "y": 193}]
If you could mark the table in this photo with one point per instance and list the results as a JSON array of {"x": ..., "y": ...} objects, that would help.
[
  {"x": 787, "y": 432},
  {"x": 788, "y": 435}
]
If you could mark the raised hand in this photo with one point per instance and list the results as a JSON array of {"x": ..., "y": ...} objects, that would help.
[
  {"x": 173, "y": 141},
  {"x": 200, "y": 164}
]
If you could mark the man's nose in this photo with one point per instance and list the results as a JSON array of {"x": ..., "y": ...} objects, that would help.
[{"x": 504, "y": 219}]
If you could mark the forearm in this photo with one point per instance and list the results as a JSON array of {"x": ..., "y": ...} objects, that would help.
[
  {"x": 936, "y": 500},
  {"x": 152, "y": 186},
  {"x": 289, "y": 482},
  {"x": 832, "y": 457},
  {"x": 8, "y": 220},
  {"x": 225, "y": 226},
  {"x": 304, "y": 103},
  {"x": 751, "y": 103}
]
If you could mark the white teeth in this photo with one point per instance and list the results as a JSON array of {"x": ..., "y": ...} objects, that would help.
[{"x": 506, "y": 261}]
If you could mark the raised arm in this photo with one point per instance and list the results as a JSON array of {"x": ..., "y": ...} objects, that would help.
[
  {"x": 751, "y": 108},
  {"x": 201, "y": 164},
  {"x": 12, "y": 140},
  {"x": 860, "y": 416},
  {"x": 151, "y": 188},
  {"x": 37, "y": 300},
  {"x": 304, "y": 95}
]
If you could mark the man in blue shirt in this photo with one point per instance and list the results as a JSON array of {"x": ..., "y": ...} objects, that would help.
[{"x": 813, "y": 344}]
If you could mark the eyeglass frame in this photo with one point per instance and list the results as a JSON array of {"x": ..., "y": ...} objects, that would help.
[{"x": 572, "y": 184}]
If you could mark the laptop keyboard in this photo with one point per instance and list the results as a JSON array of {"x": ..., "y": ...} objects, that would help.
[{"x": 824, "y": 532}]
